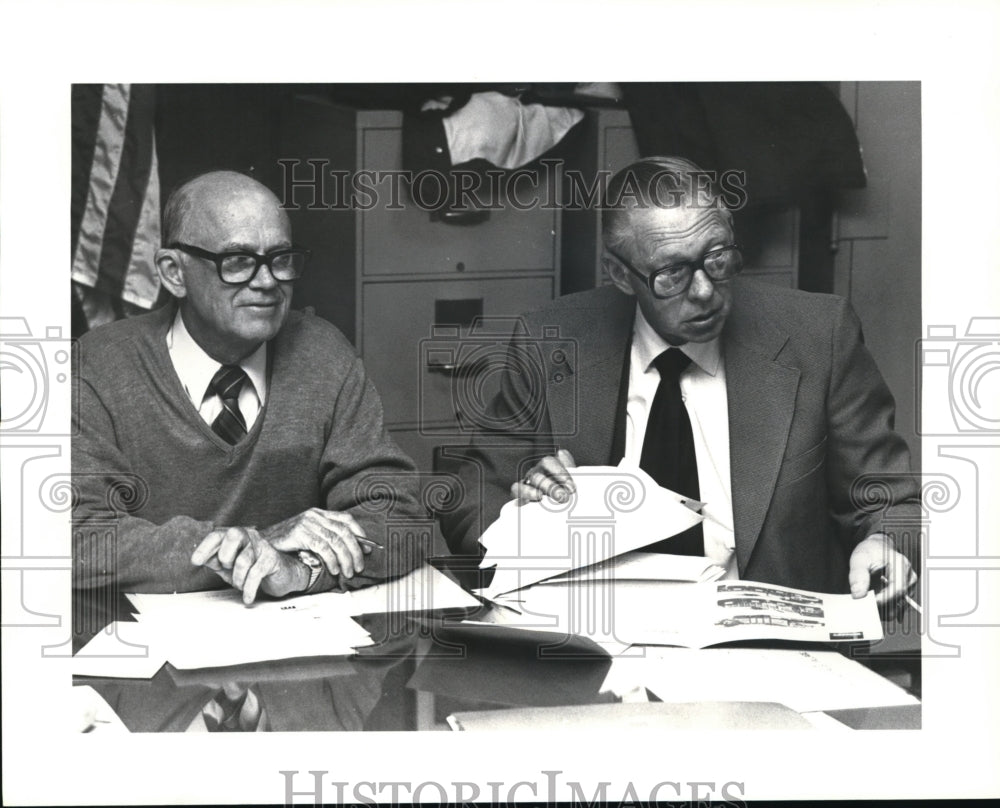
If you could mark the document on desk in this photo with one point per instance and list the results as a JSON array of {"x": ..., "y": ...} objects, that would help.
[
  {"x": 215, "y": 628},
  {"x": 242, "y": 642},
  {"x": 423, "y": 590},
  {"x": 804, "y": 681},
  {"x": 211, "y": 643},
  {"x": 637, "y": 565},
  {"x": 121, "y": 649},
  {"x": 613, "y": 511},
  {"x": 688, "y": 614}
]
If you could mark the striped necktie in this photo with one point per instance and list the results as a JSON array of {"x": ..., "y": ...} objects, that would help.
[{"x": 226, "y": 383}]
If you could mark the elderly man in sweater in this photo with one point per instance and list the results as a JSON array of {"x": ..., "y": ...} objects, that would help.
[{"x": 248, "y": 435}]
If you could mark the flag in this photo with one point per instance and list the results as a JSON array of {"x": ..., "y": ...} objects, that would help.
[{"x": 115, "y": 201}]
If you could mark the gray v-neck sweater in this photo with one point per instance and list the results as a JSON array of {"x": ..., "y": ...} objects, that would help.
[{"x": 149, "y": 472}]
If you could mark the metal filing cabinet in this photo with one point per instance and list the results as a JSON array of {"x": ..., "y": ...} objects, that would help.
[{"x": 402, "y": 284}]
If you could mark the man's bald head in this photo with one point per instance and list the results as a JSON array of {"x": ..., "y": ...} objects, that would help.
[
  {"x": 216, "y": 214},
  {"x": 207, "y": 194}
]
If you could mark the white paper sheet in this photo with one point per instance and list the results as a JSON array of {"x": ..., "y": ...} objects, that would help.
[
  {"x": 121, "y": 650},
  {"x": 216, "y": 638},
  {"x": 641, "y": 566},
  {"x": 613, "y": 511},
  {"x": 802, "y": 680},
  {"x": 424, "y": 589},
  {"x": 215, "y": 629},
  {"x": 245, "y": 642}
]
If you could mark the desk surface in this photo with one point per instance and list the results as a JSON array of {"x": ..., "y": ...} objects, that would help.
[{"x": 377, "y": 688}]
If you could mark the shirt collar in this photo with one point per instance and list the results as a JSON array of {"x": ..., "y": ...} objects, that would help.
[
  {"x": 648, "y": 345},
  {"x": 195, "y": 368}
]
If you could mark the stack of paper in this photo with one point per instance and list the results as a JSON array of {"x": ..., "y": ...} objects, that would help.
[
  {"x": 573, "y": 567},
  {"x": 215, "y": 629},
  {"x": 694, "y": 614},
  {"x": 616, "y": 603},
  {"x": 613, "y": 511}
]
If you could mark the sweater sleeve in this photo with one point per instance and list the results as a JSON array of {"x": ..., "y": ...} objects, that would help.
[
  {"x": 111, "y": 546},
  {"x": 363, "y": 472}
]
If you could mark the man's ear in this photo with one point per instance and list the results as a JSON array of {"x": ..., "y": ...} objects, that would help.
[
  {"x": 171, "y": 274},
  {"x": 618, "y": 275}
]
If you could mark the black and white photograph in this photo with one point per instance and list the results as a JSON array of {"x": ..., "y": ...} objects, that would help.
[{"x": 421, "y": 387}]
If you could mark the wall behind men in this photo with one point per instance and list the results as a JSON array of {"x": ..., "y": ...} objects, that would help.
[
  {"x": 201, "y": 127},
  {"x": 205, "y": 127},
  {"x": 878, "y": 232}
]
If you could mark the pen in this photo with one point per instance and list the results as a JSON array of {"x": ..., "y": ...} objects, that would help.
[
  {"x": 909, "y": 601},
  {"x": 361, "y": 539}
]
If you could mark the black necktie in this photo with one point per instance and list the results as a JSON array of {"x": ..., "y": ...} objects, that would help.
[
  {"x": 226, "y": 383},
  {"x": 668, "y": 448}
]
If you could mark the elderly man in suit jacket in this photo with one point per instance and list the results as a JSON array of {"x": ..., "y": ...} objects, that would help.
[{"x": 765, "y": 403}]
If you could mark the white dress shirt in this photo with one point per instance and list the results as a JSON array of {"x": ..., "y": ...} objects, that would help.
[
  {"x": 703, "y": 390},
  {"x": 195, "y": 369}
]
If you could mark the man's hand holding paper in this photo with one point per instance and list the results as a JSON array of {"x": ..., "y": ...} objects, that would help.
[
  {"x": 874, "y": 561},
  {"x": 549, "y": 477},
  {"x": 609, "y": 511}
]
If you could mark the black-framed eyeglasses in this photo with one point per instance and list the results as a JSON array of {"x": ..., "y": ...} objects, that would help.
[
  {"x": 239, "y": 266},
  {"x": 721, "y": 264}
]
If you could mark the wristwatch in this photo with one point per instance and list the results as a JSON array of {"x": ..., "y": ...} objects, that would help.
[{"x": 311, "y": 560}]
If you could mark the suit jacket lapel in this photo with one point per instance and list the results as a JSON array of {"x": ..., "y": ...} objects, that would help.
[{"x": 761, "y": 397}]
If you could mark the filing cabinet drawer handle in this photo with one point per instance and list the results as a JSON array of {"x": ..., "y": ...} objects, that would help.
[
  {"x": 463, "y": 218},
  {"x": 448, "y": 368}
]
